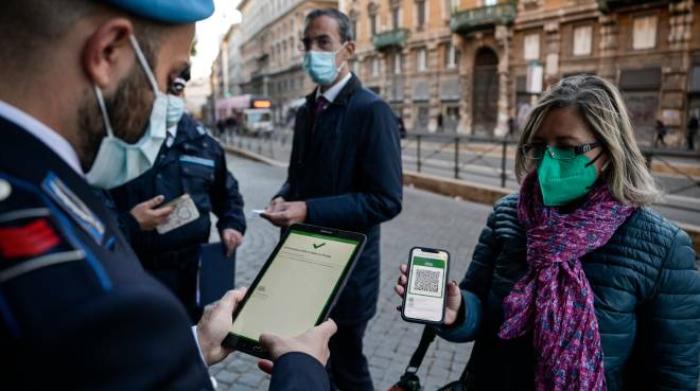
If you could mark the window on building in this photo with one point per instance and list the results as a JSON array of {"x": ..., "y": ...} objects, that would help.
[
  {"x": 373, "y": 24},
  {"x": 375, "y": 66},
  {"x": 353, "y": 23},
  {"x": 420, "y": 12},
  {"x": 421, "y": 60},
  {"x": 395, "y": 18},
  {"x": 531, "y": 49},
  {"x": 397, "y": 63},
  {"x": 450, "y": 56},
  {"x": 490, "y": 2},
  {"x": 582, "y": 40},
  {"x": 644, "y": 35}
]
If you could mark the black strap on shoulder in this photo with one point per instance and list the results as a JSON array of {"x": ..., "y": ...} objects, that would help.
[{"x": 425, "y": 340}]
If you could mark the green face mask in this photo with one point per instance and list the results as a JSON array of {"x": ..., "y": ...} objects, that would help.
[{"x": 563, "y": 181}]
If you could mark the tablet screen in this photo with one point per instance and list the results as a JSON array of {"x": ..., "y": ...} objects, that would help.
[{"x": 297, "y": 285}]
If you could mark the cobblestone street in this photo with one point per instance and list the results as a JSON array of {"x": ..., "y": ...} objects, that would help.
[{"x": 427, "y": 220}]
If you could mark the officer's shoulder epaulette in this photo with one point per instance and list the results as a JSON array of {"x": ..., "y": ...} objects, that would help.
[
  {"x": 35, "y": 234},
  {"x": 45, "y": 270}
]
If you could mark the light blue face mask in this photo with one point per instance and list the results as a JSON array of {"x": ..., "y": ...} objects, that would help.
[
  {"x": 321, "y": 66},
  {"x": 118, "y": 162},
  {"x": 176, "y": 107}
]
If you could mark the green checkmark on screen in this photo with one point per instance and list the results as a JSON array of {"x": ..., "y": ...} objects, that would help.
[{"x": 317, "y": 246}]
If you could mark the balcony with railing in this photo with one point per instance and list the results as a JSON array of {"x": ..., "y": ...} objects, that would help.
[
  {"x": 481, "y": 18},
  {"x": 613, "y": 5},
  {"x": 388, "y": 39}
]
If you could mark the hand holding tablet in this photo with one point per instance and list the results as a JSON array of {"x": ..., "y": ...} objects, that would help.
[{"x": 313, "y": 342}]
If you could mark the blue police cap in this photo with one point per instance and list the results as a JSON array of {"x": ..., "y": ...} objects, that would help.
[{"x": 168, "y": 11}]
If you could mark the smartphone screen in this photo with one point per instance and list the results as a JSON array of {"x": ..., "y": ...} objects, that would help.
[{"x": 425, "y": 294}]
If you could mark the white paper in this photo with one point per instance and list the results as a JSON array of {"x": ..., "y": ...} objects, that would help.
[{"x": 185, "y": 212}]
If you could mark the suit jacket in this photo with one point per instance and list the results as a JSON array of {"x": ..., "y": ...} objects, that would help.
[{"x": 346, "y": 165}]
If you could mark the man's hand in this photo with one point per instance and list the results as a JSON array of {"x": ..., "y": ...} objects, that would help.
[
  {"x": 284, "y": 214},
  {"x": 215, "y": 325},
  {"x": 313, "y": 342},
  {"x": 232, "y": 239},
  {"x": 454, "y": 296},
  {"x": 148, "y": 216},
  {"x": 275, "y": 205}
]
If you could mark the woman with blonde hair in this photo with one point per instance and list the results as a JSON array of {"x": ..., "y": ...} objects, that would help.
[{"x": 576, "y": 283}]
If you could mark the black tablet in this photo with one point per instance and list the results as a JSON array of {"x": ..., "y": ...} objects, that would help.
[{"x": 297, "y": 287}]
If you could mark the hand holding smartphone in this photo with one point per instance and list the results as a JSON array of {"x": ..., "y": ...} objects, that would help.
[{"x": 426, "y": 289}]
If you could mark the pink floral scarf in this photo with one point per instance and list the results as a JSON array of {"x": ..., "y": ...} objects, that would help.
[{"x": 554, "y": 299}]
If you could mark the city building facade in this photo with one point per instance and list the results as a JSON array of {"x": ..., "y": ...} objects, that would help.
[{"x": 468, "y": 66}]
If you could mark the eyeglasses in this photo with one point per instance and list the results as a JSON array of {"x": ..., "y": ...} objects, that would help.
[{"x": 536, "y": 151}]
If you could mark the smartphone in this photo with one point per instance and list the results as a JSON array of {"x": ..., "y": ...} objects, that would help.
[{"x": 424, "y": 299}]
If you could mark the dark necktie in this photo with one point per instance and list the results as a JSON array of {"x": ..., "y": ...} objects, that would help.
[{"x": 319, "y": 105}]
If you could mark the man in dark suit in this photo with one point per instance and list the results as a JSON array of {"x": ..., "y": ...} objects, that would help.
[
  {"x": 345, "y": 173},
  {"x": 81, "y": 79}
]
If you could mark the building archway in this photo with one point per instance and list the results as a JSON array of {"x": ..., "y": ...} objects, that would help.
[{"x": 485, "y": 92}]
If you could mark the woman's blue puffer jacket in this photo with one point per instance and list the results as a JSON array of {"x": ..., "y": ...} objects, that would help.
[{"x": 647, "y": 300}]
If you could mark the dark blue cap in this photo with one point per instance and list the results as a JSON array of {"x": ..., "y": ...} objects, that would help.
[{"x": 167, "y": 11}]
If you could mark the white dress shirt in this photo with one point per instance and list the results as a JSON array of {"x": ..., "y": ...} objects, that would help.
[
  {"x": 333, "y": 92},
  {"x": 172, "y": 133},
  {"x": 51, "y": 138}
]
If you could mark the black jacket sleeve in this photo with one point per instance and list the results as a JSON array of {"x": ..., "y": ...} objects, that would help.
[
  {"x": 227, "y": 202},
  {"x": 379, "y": 167},
  {"x": 299, "y": 372},
  {"x": 125, "y": 340},
  {"x": 127, "y": 223}
]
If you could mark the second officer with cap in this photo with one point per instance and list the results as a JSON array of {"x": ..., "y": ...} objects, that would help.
[{"x": 191, "y": 163}]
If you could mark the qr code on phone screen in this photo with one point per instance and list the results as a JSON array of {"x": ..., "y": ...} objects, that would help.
[{"x": 426, "y": 280}]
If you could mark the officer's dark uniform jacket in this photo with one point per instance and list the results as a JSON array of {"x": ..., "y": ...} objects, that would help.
[
  {"x": 77, "y": 311},
  {"x": 348, "y": 170},
  {"x": 194, "y": 164},
  {"x": 647, "y": 302}
]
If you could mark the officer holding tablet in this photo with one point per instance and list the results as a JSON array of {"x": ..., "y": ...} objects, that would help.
[{"x": 81, "y": 102}]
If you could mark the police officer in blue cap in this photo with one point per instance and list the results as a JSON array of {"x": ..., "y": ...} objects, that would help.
[
  {"x": 82, "y": 102},
  {"x": 190, "y": 163}
]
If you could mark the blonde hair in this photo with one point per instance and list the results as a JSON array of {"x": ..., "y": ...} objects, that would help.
[{"x": 600, "y": 104}]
